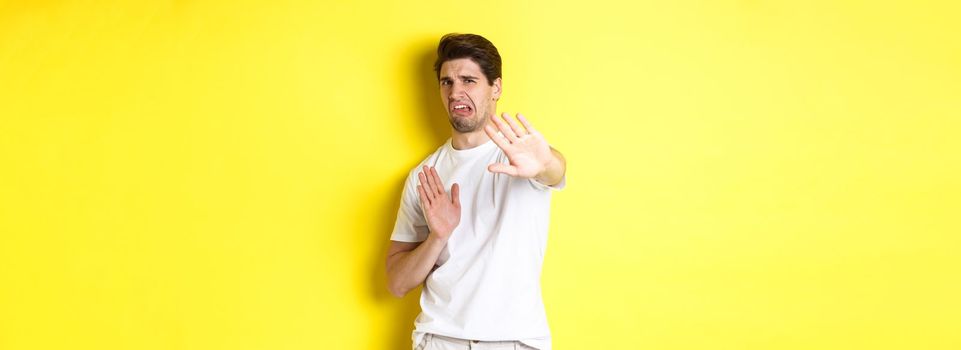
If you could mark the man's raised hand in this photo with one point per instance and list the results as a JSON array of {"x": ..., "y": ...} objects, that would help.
[
  {"x": 526, "y": 149},
  {"x": 442, "y": 212}
]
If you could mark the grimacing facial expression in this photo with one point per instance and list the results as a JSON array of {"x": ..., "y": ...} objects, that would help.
[{"x": 467, "y": 96}]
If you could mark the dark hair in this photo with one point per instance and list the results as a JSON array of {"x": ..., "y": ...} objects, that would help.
[{"x": 475, "y": 47}]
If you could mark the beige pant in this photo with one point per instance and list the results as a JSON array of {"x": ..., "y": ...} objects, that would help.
[{"x": 439, "y": 342}]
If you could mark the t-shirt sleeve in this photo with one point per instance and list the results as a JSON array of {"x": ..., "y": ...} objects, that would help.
[
  {"x": 411, "y": 226},
  {"x": 557, "y": 187}
]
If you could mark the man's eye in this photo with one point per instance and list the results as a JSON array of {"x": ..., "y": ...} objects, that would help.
[
  {"x": 445, "y": 82},
  {"x": 471, "y": 81}
]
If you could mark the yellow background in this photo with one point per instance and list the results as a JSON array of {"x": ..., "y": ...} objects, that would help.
[{"x": 225, "y": 174}]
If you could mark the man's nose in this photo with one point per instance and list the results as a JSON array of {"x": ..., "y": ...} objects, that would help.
[{"x": 457, "y": 89}]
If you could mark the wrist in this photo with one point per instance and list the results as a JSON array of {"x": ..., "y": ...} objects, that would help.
[
  {"x": 545, "y": 175},
  {"x": 438, "y": 237}
]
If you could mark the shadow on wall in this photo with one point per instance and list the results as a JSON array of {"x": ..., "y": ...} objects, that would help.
[
  {"x": 430, "y": 114},
  {"x": 431, "y": 108}
]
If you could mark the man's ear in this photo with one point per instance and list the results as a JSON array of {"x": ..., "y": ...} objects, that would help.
[{"x": 497, "y": 89}]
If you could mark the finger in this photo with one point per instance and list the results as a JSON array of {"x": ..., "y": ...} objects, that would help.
[
  {"x": 501, "y": 142},
  {"x": 440, "y": 184},
  {"x": 434, "y": 192},
  {"x": 520, "y": 132},
  {"x": 527, "y": 125},
  {"x": 455, "y": 195},
  {"x": 426, "y": 184},
  {"x": 503, "y": 169},
  {"x": 424, "y": 201},
  {"x": 504, "y": 128}
]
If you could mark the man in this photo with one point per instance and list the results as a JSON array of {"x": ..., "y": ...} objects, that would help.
[{"x": 478, "y": 247}]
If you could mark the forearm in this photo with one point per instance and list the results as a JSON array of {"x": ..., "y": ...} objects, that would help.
[
  {"x": 554, "y": 171},
  {"x": 407, "y": 270}
]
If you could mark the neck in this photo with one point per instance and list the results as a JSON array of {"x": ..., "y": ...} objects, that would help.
[{"x": 468, "y": 140}]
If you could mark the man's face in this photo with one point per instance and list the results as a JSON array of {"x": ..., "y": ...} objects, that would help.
[{"x": 468, "y": 97}]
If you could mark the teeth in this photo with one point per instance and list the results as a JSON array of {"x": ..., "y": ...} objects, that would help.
[{"x": 460, "y": 107}]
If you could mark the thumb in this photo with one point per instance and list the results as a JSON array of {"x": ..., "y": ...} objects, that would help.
[
  {"x": 503, "y": 168},
  {"x": 455, "y": 194}
]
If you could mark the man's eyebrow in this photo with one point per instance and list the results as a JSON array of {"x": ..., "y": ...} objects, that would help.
[
  {"x": 463, "y": 77},
  {"x": 467, "y": 77}
]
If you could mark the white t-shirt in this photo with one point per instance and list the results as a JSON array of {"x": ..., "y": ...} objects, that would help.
[{"x": 486, "y": 285}]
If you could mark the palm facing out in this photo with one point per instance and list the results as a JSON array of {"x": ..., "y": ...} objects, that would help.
[{"x": 526, "y": 149}]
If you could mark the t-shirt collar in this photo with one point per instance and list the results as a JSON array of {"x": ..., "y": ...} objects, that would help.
[{"x": 470, "y": 152}]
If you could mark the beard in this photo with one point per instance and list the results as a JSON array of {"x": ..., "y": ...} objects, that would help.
[{"x": 467, "y": 124}]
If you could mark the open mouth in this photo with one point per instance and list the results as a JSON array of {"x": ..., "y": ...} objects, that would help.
[{"x": 461, "y": 109}]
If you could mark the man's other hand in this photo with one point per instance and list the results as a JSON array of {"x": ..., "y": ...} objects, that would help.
[{"x": 442, "y": 211}]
